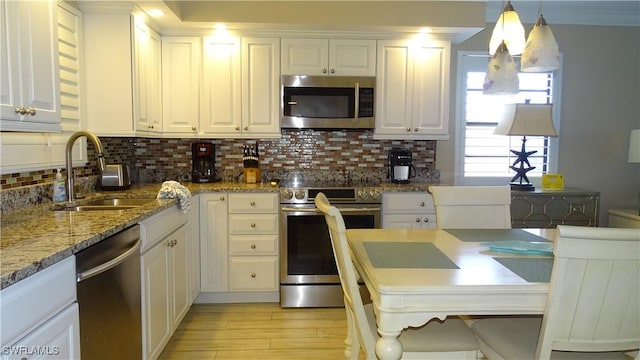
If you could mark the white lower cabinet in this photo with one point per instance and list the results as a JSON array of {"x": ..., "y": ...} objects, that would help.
[
  {"x": 166, "y": 290},
  {"x": 410, "y": 210},
  {"x": 40, "y": 317},
  {"x": 239, "y": 247}
]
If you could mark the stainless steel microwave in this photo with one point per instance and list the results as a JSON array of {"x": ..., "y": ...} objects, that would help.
[{"x": 327, "y": 102}]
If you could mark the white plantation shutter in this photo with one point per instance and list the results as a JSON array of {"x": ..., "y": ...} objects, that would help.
[
  {"x": 69, "y": 25},
  {"x": 485, "y": 158}
]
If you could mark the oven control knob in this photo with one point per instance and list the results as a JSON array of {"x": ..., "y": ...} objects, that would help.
[
  {"x": 287, "y": 194},
  {"x": 363, "y": 194},
  {"x": 375, "y": 194},
  {"x": 300, "y": 194}
]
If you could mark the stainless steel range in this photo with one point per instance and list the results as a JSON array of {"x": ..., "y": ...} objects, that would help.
[{"x": 308, "y": 273}]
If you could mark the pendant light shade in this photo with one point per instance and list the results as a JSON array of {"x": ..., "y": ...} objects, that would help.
[
  {"x": 508, "y": 29},
  {"x": 502, "y": 76},
  {"x": 541, "y": 50}
]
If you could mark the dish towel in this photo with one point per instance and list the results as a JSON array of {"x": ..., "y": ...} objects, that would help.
[{"x": 173, "y": 190}]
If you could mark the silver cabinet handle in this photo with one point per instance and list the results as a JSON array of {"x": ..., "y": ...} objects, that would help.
[
  {"x": 416, "y": 129},
  {"x": 426, "y": 220},
  {"x": 333, "y": 71},
  {"x": 422, "y": 203},
  {"x": 408, "y": 129},
  {"x": 253, "y": 275},
  {"x": 237, "y": 128},
  {"x": 246, "y": 128},
  {"x": 418, "y": 220},
  {"x": 193, "y": 128},
  {"x": 253, "y": 203},
  {"x": 253, "y": 225},
  {"x": 221, "y": 198},
  {"x": 253, "y": 246},
  {"x": 324, "y": 71}
]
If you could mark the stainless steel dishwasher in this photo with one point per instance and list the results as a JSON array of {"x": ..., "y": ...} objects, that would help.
[{"x": 108, "y": 285}]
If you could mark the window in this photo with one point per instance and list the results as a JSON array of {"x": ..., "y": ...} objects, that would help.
[{"x": 483, "y": 158}]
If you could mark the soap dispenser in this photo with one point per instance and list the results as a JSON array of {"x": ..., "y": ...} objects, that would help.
[{"x": 59, "y": 190}]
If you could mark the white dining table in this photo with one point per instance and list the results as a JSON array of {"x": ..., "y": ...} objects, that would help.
[{"x": 409, "y": 294}]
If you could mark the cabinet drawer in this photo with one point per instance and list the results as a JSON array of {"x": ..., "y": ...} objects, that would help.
[
  {"x": 253, "y": 203},
  {"x": 26, "y": 304},
  {"x": 253, "y": 244},
  {"x": 254, "y": 273},
  {"x": 253, "y": 224},
  {"x": 410, "y": 202},
  {"x": 160, "y": 225}
]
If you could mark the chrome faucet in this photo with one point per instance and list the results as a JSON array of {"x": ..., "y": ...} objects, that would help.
[{"x": 99, "y": 148}]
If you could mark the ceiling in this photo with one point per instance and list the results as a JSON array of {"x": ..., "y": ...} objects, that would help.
[{"x": 457, "y": 20}]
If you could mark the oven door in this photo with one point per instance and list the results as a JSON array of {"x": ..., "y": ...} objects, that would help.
[{"x": 305, "y": 246}]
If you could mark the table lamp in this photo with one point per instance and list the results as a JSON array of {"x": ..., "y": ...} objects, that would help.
[
  {"x": 634, "y": 150},
  {"x": 525, "y": 120}
]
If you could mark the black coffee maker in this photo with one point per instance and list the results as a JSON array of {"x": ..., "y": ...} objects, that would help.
[
  {"x": 203, "y": 160},
  {"x": 400, "y": 166}
]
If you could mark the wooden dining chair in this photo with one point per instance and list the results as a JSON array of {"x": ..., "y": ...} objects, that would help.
[
  {"x": 449, "y": 339},
  {"x": 472, "y": 207},
  {"x": 592, "y": 306}
]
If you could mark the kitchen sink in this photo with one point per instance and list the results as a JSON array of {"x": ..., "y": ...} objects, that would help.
[
  {"x": 106, "y": 205},
  {"x": 118, "y": 202}
]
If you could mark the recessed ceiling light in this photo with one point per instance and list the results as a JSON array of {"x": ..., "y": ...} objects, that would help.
[{"x": 155, "y": 12}]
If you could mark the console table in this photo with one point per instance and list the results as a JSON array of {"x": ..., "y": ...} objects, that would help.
[{"x": 550, "y": 208}]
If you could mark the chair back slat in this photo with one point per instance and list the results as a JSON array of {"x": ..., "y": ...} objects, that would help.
[
  {"x": 472, "y": 207},
  {"x": 594, "y": 297}
]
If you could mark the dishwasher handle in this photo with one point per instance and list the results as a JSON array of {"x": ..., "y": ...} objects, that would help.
[{"x": 109, "y": 264}]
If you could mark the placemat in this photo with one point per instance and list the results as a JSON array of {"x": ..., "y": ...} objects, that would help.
[
  {"x": 530, "y": 269},
  {"x": 486, "y": 235},
  {"x": 409, "y": 255}
]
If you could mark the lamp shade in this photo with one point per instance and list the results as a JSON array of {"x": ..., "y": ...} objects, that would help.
[
  {"x": 508, "y": 29},
  {"x": 502, "y": 75},
  {"x": 541, "y": 50},
  {"x": 634, "y": 146},
  {"x": 526, "y": 120}
]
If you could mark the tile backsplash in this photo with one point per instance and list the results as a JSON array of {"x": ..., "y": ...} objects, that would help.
[{"x": 157, "y": 160}]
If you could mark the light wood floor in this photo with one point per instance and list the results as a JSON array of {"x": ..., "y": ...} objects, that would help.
[{"x": 258, "y": 331}]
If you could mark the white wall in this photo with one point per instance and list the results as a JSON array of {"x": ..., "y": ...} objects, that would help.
[{"x": 600, "y": 106}]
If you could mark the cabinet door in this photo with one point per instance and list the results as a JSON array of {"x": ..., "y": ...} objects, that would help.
[
  {"x": 220, "y": 114},
  {"x": 147, "y": 95},
  {"x": 30, "y": 66},
  {"x": 261, "y": 87},
  {"x": 305, "y": 57},
  {"x": 181, "y": 58},
  {"x": 181, "y": 297},
  {"x": 108, "y": 87},
  {"x": 430, "y": 110},
  {"x": 352, "y": 57},
  {"x": 412, "y": 91},
  {"x": 58, "y": 338},
  {"x": 393, "y": 90},
  {"x": 401, "y": 221},
  {"x": 213, "y": 242},
  {"x": 194, "y": 248},
  {"x": 156, "y": 300}
]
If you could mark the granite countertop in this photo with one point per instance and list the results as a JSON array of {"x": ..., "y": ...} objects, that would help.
[{"x": 36, "y": 237}]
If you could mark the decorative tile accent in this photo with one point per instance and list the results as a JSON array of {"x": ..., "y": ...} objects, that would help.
[{"x": 317, "y": 153}]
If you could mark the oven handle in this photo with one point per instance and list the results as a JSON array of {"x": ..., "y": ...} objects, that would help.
[{"x": 343, "y": 210}]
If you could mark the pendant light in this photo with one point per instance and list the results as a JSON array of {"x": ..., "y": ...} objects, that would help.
[
  {"x": 541, "y": 50},
  {"x": 508, "y": 29},
  {"x": 502, "y": 76}
]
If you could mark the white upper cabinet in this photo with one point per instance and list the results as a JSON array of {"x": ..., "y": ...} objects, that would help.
[
  {"x": 108, "y": 85},
  {"x": 261, "y": 87},
  {"x": 147, "y": 79},
  {"x": 412, "y": 90},
  {"x": 29, "y": 90},
  {"x": 220, "y": 113},
  {"x": 338, "y": 57},
  {"x": 181, "y": 59}
]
